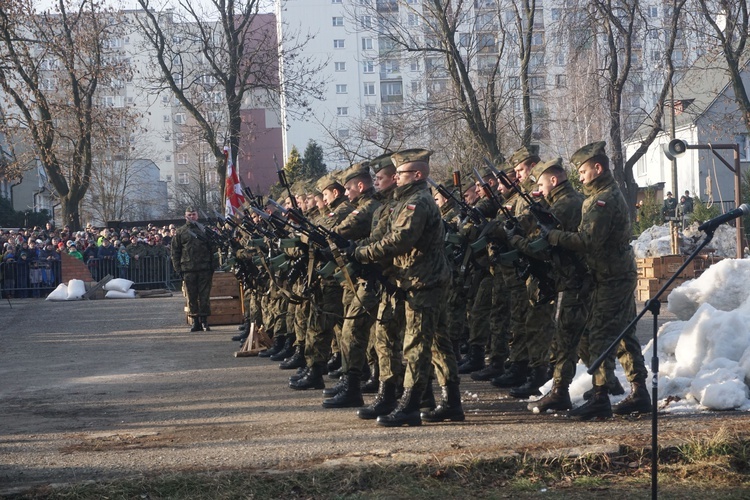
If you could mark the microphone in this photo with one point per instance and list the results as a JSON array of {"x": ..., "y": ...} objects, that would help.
[{"x": 711, "y": 224}]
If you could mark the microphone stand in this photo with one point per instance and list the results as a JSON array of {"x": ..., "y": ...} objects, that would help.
[{"x": 654, "y": 306}]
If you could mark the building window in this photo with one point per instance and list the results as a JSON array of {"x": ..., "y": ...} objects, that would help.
[
  {"x": 555, "y": 14},
  {"x": 391, "y": 66},
  {"x": 536, "y": 82},
  {"x": 369, "y": 88},
  {"x": 412, "y": 20},
  {"x": 180, "y": 138},
  {"x": 179, "y": 118},
  {"x": 560, "y": 81},
  {"x": 183, "y": 178},
  {"x": 343, "y": 133},
  {"x": 338, "y": 44},
  {"x": 537, "y": 39},
  {"x": 368, "y": 67},
  {"x": 653, "y": 11},
  {"x": 367, "y": 44},
  {"x": 370, "y": 110},
  {"x": 365, "y": 22},
  {"x": 182, "y": 158},
  {"x": 342, "y": 111},
  {"x": 393, "y": 88},
  {"x": 341, "y": 88},
  {"x": 414, "y": 66},
  {"x": 167, "y": 137},
  {"x": 336, "y": 1},
  {"x": 337, "y": 21},
  {"x": 339, "y": 66},
  {"x": 416, "y": 87}
]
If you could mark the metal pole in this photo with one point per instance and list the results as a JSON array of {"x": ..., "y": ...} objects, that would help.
[{"x": 738, "y": 197}]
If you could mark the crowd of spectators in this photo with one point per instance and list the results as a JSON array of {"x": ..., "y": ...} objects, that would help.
[{"x": 30, "y": 257}]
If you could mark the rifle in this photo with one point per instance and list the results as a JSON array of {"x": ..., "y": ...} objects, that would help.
[
  {"x": 543, "y": 216},
  {"x": 285, "y": 183},
  {"x": 467, "y": 210},
  {"x": 526, "y": 265}
]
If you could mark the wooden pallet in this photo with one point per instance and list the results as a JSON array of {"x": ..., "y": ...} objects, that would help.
[{"x": 93, "y": 292}]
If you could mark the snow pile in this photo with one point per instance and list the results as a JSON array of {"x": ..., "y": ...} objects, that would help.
[
  {"x": 721, "y": 285},
  {"x": 704, "y": 358},
  {"x": 655, "y": 241}
]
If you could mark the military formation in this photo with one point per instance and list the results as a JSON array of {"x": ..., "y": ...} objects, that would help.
[{"x": 379, "y": 277}]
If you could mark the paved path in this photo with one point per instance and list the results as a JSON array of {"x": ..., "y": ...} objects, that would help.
[{"x": 108, "y": 388}]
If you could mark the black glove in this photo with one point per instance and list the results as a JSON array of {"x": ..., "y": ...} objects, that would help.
[
  {"x": 544, "y": 230},
  {"x": 348, "y": 251},
  {"x": 511, "y": 230},
  {"x": 324, "y": 254}
]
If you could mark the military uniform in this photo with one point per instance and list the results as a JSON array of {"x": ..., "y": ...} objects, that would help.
[
  {"x": 603, "y": 238},
  {"x": 193, "y": 256},
  {"x": 415, "y": 243}
]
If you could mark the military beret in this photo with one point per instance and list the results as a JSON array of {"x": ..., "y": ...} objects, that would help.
[
  {"x": 357, "y": 170},
  {"x": 329, "y": 181},
  {"x": 543, "y": 166},
  {"x": 485, "y": 171},
  {"x": 587, "y": 152},
  {"x": 380, "y": 162},
  {"x": 410, "y": 155},
  {"x": 189, "y": 209},
  {"x": 300, "y": 187},
  {"x": 524, "y": 153}
]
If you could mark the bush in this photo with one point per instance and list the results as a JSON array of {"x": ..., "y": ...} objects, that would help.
[{"x": 702, "y": 212}]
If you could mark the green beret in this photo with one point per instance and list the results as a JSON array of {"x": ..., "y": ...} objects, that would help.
[
  {"x": 542, "y": 167},
  {"x": 410, "y": 155},
  {"x": 357, "y": 170},
  {"x": 189, "y": 209},
  {"x": 379, "y": 163},
  {"x": 300, "y": 187},
  {"x": 330, "y": 180},
  {"x": 587, "y": 152},
  {"x": 523, "y": 154},
  {"x": 485, "y": 171},
  {"x": 448, "y": 184}
]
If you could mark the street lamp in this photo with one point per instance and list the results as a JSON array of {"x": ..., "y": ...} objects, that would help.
[{"x": 678, "y": 147}]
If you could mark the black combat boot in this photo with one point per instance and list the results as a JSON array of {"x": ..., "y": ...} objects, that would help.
[
  {"x": 204, "y": 324},
  {"x": 278, "y": 344},
  {"x": 383, "y": 404},
  {"x": 245, "y": 325},
  {"x": 474, "y": 361},
  {"x": 449, "y": 408},
  {"x": 336, "y": 374},
  {"x": 244, "y": 332},
  {"x": 514, "y": 376},
  {"x": 407, "y": 411},
  {"x": 296, "y": 360},
  {"x": 371, "y": 385},
  {"x": 596, "y": 407},
  {"x": 427, "y": 401},
  {"x": 285, "y": 351},
  {"x": 493, "y": 370},
  {"x": 350, "y": 396},
  {"x": 301, "y": 372},
  {"x": 558, "y": 399},
  {"x": 339, "y": 386},
  {"x": 615, "y": 389},
  {"x": 196, "y": 326},
  {"x": 312, "y": 380},
  {"x": 536, "y": 378},
  {"x": 334, "y": 363},
  {"x": 638, "y": 401}
]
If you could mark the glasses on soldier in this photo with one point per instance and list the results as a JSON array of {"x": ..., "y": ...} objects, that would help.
[{"x": 399, "y": 172}]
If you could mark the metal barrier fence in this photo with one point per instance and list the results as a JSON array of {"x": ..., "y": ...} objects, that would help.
[{"x": 37, "y": 279}]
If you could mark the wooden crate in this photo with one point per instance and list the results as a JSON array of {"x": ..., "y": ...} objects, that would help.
[
  {"x": 225, "y": 284},
  {"x": 664, "y": 267},
  {"x": 646, "y": 288}
]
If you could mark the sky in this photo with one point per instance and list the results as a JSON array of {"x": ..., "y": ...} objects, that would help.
[{"x": 266, "y": 5}]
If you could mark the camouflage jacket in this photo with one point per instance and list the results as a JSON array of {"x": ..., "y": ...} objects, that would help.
[
  {"x": 358, "y": 223},
  {"x": 191, "y": 250},
  {"x": 415, "y": 240},
  {"x": 603, "y": 236},
  {"x": 380, "y": 224}
]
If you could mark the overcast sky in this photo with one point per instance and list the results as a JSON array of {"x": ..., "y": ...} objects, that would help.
[{"x": 267, "y": 5}]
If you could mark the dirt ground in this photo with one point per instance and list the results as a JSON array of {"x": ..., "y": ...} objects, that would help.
[{"x": 100, "y": 389}]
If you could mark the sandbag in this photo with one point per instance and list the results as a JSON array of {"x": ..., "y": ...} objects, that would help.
[
  {"x": 76, "y": 289},
  {"x": 59, "y": 293},
  {"x": 118, "y": 284},
  {"x": 116, "y": 294}
]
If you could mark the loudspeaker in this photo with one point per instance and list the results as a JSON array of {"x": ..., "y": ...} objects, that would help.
[{"x": 674, "y": 149}]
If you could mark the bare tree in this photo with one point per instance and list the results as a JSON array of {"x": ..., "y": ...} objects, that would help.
[
  {"x": 729, "y": 21},
  {"x": 226, "y": 53},
  {"x": 51, "y": 65}
]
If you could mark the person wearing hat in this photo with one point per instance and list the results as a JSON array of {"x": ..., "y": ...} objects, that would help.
[
  {"x": 603, "y": 240},
  {"x": 415, "y": 244},
  {"x": 361, "y": 302},
  {"x": 531, "y": 341},
  {"x": 388, "y": 330},
  {"x": 327, "y": 308},
  {"x": 193, "y": 257}
]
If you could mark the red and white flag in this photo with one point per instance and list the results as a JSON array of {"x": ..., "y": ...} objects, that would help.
[{"x": 233, "y": 188}]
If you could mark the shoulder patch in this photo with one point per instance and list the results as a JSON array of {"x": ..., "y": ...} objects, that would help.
[
  {"x": 508, "y": 207},
  {"x": 355, "y": 212},
  {"x": 411, "y": 206},
  {"x": 331, "y": 214},
  {"x": 601, "y": 203}
]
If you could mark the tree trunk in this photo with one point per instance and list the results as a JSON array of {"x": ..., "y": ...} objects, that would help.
[{"x": 70, "y": 213}]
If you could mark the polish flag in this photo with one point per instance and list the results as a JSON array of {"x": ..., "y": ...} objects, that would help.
[{"x": 233, "y": 188}]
